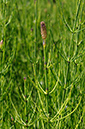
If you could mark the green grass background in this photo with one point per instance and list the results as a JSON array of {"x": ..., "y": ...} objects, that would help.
[{"x": 25, "y": 101}]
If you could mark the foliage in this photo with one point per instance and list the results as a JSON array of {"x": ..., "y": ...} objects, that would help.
[{"x": 42, "y": 87}]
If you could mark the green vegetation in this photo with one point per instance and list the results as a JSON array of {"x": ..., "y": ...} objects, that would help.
[{"x": 42, "y": 87}]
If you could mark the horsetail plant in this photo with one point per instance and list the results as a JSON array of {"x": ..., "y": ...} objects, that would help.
[
  {"x": 44, "y": 35},
  {"x": 37, "y": 92}
]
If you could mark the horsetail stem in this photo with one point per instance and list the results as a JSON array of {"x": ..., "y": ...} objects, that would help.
[{"x": 44, "y": 35}]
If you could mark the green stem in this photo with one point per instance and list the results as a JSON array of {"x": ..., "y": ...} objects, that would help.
[
  {"x": 36, "y": 17},
  {"x": 25, "y": 93},
  {"x": 46, "y": 83},
  {"x": 2, "y": 101},
  {"x": 45, "y": 65},
  {"x": 35, "y": 46},
  {"x": 77, "y": 13}
]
